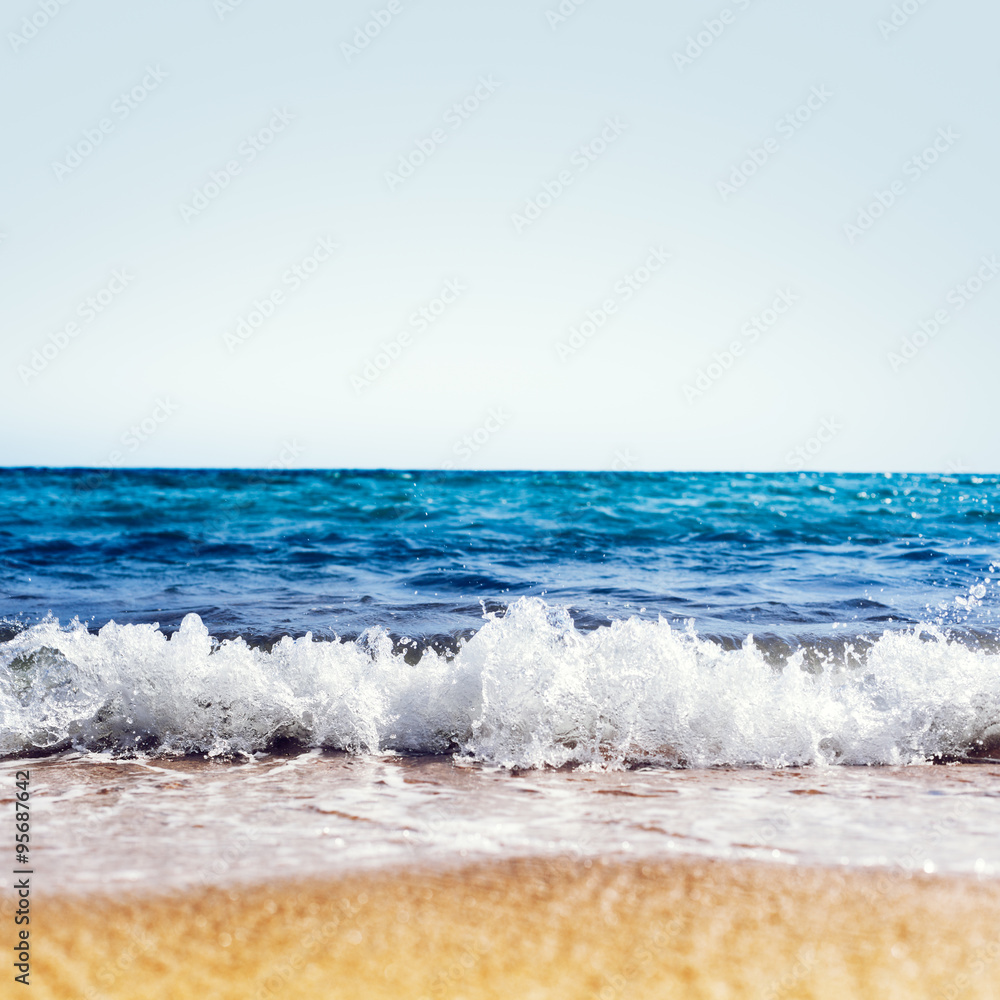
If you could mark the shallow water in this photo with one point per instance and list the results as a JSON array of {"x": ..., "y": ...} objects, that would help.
[{"x": 102, "y": 823}]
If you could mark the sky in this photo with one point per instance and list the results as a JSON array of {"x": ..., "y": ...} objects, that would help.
[{"x": 755, "y": 235}]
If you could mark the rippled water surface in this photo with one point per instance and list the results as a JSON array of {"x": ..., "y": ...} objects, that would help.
[
  {"x": 269, "y": 554},
  {"x": 515, "y": 619},
  {"x": 188, "y": 823}
]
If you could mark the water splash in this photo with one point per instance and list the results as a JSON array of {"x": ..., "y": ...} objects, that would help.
[{"x": 527, "y": 690}]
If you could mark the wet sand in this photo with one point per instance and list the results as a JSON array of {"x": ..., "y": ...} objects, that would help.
[
  {"x": 327, "y": 876},
  {"x": 159, "y": 824},
  {"x": 532, "y": 928}
]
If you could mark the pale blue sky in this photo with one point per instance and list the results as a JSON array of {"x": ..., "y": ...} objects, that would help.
[{"x": 819, "y": 377}]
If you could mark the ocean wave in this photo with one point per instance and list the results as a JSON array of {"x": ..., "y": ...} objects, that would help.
[{"x": 527, "y": 690}]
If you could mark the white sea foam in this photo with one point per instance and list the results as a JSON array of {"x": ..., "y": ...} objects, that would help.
[{"x": 527, "y": 690}]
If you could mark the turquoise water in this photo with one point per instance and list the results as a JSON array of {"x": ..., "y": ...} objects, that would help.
[
  {"x": 519, "y": 618},
  {"x": 266, "y": 555}
]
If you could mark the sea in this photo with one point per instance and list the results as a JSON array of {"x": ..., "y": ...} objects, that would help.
[{"x": 303, "y": 671}]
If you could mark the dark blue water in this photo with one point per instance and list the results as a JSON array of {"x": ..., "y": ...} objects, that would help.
[
  {"x": 790, "y": 558},
  {"x": 518, "y": 619}
]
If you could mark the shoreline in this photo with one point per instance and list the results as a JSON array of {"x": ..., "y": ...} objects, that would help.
[
  {"x": 155, "y": 824},
  {"x": 534, "y": 927}
]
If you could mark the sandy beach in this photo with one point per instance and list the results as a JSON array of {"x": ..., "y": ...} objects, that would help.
[
  {"x": 325, "y": 875},
  {"x": 534, "y": 928}
]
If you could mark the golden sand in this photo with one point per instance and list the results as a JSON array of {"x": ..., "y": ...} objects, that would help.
[{"x": 533, "y": 929}]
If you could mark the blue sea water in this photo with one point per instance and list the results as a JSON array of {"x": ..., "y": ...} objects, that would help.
[{"x": 517, "y": 618}]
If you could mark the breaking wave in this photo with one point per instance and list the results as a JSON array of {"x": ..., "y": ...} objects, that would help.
[{"x": 527, "y": 690}]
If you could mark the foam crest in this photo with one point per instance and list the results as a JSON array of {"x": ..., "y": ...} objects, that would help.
[{"x": 528, "y": 690}]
